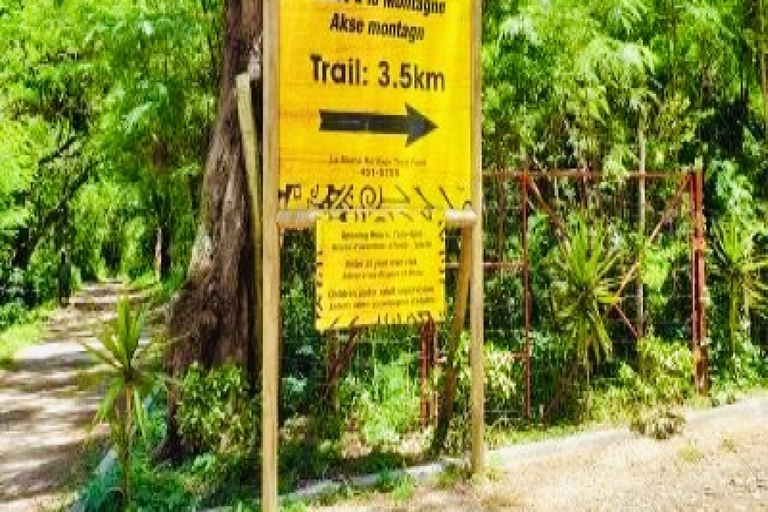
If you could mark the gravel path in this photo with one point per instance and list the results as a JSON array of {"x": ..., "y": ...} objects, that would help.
[
  {"x": 719, "y": 463},
  {"x": 47, "y": 403}
]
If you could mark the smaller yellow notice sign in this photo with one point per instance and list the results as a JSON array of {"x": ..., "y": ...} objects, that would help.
[{"x": 380, "y": 268}]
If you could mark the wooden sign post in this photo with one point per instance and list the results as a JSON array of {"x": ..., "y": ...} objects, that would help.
[{"x": 371, "y": 106}]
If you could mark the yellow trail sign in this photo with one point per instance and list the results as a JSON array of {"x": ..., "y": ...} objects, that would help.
[
  {"x": 377, "y": 268},
  {"x": 375, "y": 104}
]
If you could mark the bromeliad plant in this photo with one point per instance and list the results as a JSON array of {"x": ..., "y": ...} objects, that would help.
[
  {"x": 583, "y": 287},
  {"x": 739, "y": 268},
  {"x": 129, "y": 383}
]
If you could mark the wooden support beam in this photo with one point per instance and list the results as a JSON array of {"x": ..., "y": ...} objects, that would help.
[
  {"x": 250, "y": 153},
  {"x": 270, "y": 369},
  {"x": 302, "y": 220},
  {"x": 476, "y": 357},
  {"x": 493, "y": 266}
]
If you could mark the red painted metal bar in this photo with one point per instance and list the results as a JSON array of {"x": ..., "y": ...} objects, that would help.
[
  {"x": 698, "y": 283},
  {"x": 527, "y": 296},
  {"x": 695, "y": 340},
  {"x": 424, "y": 371},
  {"x": 554, "y": 217},
  {"x": 592, "y": 175},
  {"x": 575, "y": 174},
  {"x": 435, "y": 355},
  {"x": 626, "y": 320},
  {"x": 630, "y": 275}
]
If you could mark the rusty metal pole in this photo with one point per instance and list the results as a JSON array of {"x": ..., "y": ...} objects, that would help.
[
  {"x": 424, "y": 376},
  {"x": 435, "y": 355},
  {"x": 699, "y": 278},
  {"x": 526, "y": 295},
  {"x": 695, "y": 341}
]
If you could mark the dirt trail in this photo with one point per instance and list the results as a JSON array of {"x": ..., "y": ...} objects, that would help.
[
  {"x": 719, "y": 463},
  {"x": 47, "y": 402}
]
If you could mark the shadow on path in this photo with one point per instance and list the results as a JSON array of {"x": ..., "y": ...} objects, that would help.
[{"x": 48, "y": 400}]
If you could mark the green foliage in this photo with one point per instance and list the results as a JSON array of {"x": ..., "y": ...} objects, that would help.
[
  {"x": 27, "y": 330},
  {"x": 204, "y": 481},
  {"x": 103, "y": 124},
  {"x": 740, "y": 269},
  {"x": 129, "y": 382},
  {"x": 658, "y": 423},
  {"x": 746, "y": 369},
  {"x": 386, "y": 404},
  {"x": 504, "y": 381},
  {"x": 105, "y": 114},
  {"x": 691, "y": 453},
  {"x": 302, "y": 344},
  {"x": 668, "y": 367},
  {"x": 664, "y": 379},
  {"x": 399, "y": 485},
  {"x": 504, "y": 384},
  {"x": 218, "y": 411},
  {"x": 583, "y": 286}
]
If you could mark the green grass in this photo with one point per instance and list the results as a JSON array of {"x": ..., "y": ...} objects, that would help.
[
  {"x": 500, "y": 436},
  {"x": 728, "y": 444},
  {"x": 145, "y": 280},
  {"x": 400, "y": 486},
  {"x": 22, "y": 335},
  {"x": 690, "y": 453}
]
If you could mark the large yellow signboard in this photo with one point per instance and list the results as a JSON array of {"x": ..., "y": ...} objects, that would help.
[
  {"x": 378, "y": 268},
  {"x": 374, "y": 104}
]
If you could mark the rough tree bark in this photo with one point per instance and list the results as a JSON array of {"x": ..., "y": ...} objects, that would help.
[{"x": 211, "y": 320}]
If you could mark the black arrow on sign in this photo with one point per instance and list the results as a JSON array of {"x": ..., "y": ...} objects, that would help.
[{"x": 413, "y": 124}]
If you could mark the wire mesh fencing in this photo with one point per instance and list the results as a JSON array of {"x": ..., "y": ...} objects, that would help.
[{"x": 373, "y": 395}]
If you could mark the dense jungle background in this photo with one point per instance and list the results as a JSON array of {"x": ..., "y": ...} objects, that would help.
[{"x": 108, "y": 124}]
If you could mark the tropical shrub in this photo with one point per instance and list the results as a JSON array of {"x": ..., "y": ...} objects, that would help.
[
  {"x": 129, "y": 382},
  {"x": 384, "y": 405},
  {"x": 739, "y": 267},
  {"x": 666, "y": 369},
  {"x": 582, "y": 287},
  {"x": 218, "y": 410}
]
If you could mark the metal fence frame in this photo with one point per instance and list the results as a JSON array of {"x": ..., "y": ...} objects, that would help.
[{"x": 690, "y": 182}]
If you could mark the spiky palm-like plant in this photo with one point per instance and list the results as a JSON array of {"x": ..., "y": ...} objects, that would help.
[
  {"x": 739, "y": 268},
  {"x": 583, "y": 286},
  {"x": 128, "y": 383}
]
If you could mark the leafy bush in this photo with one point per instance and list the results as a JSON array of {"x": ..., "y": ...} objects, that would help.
[
  {"x": 666, "y": 370},
  {"x": 504, "y": 392},
  {"x": 583, "y": 284},
  {"x": 746, "y": 369},
  {"x": 665, "y": 377},
  {"x": 504, "y": 384},
  {"x": 218, "y": 412},
  {"x": 387, "y": 406},
  {"x": 11, "y": 313},
  {"x": 303, "y": 362},
  {"x": 137, "y": 248},
  {"x": 659, "y": 423}
]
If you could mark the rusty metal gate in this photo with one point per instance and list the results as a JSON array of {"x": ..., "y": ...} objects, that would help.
[{"x": 501, "y": 211}]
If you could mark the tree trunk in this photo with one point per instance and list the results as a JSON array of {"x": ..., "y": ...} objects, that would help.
[{"x": 211, "y": 320}]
